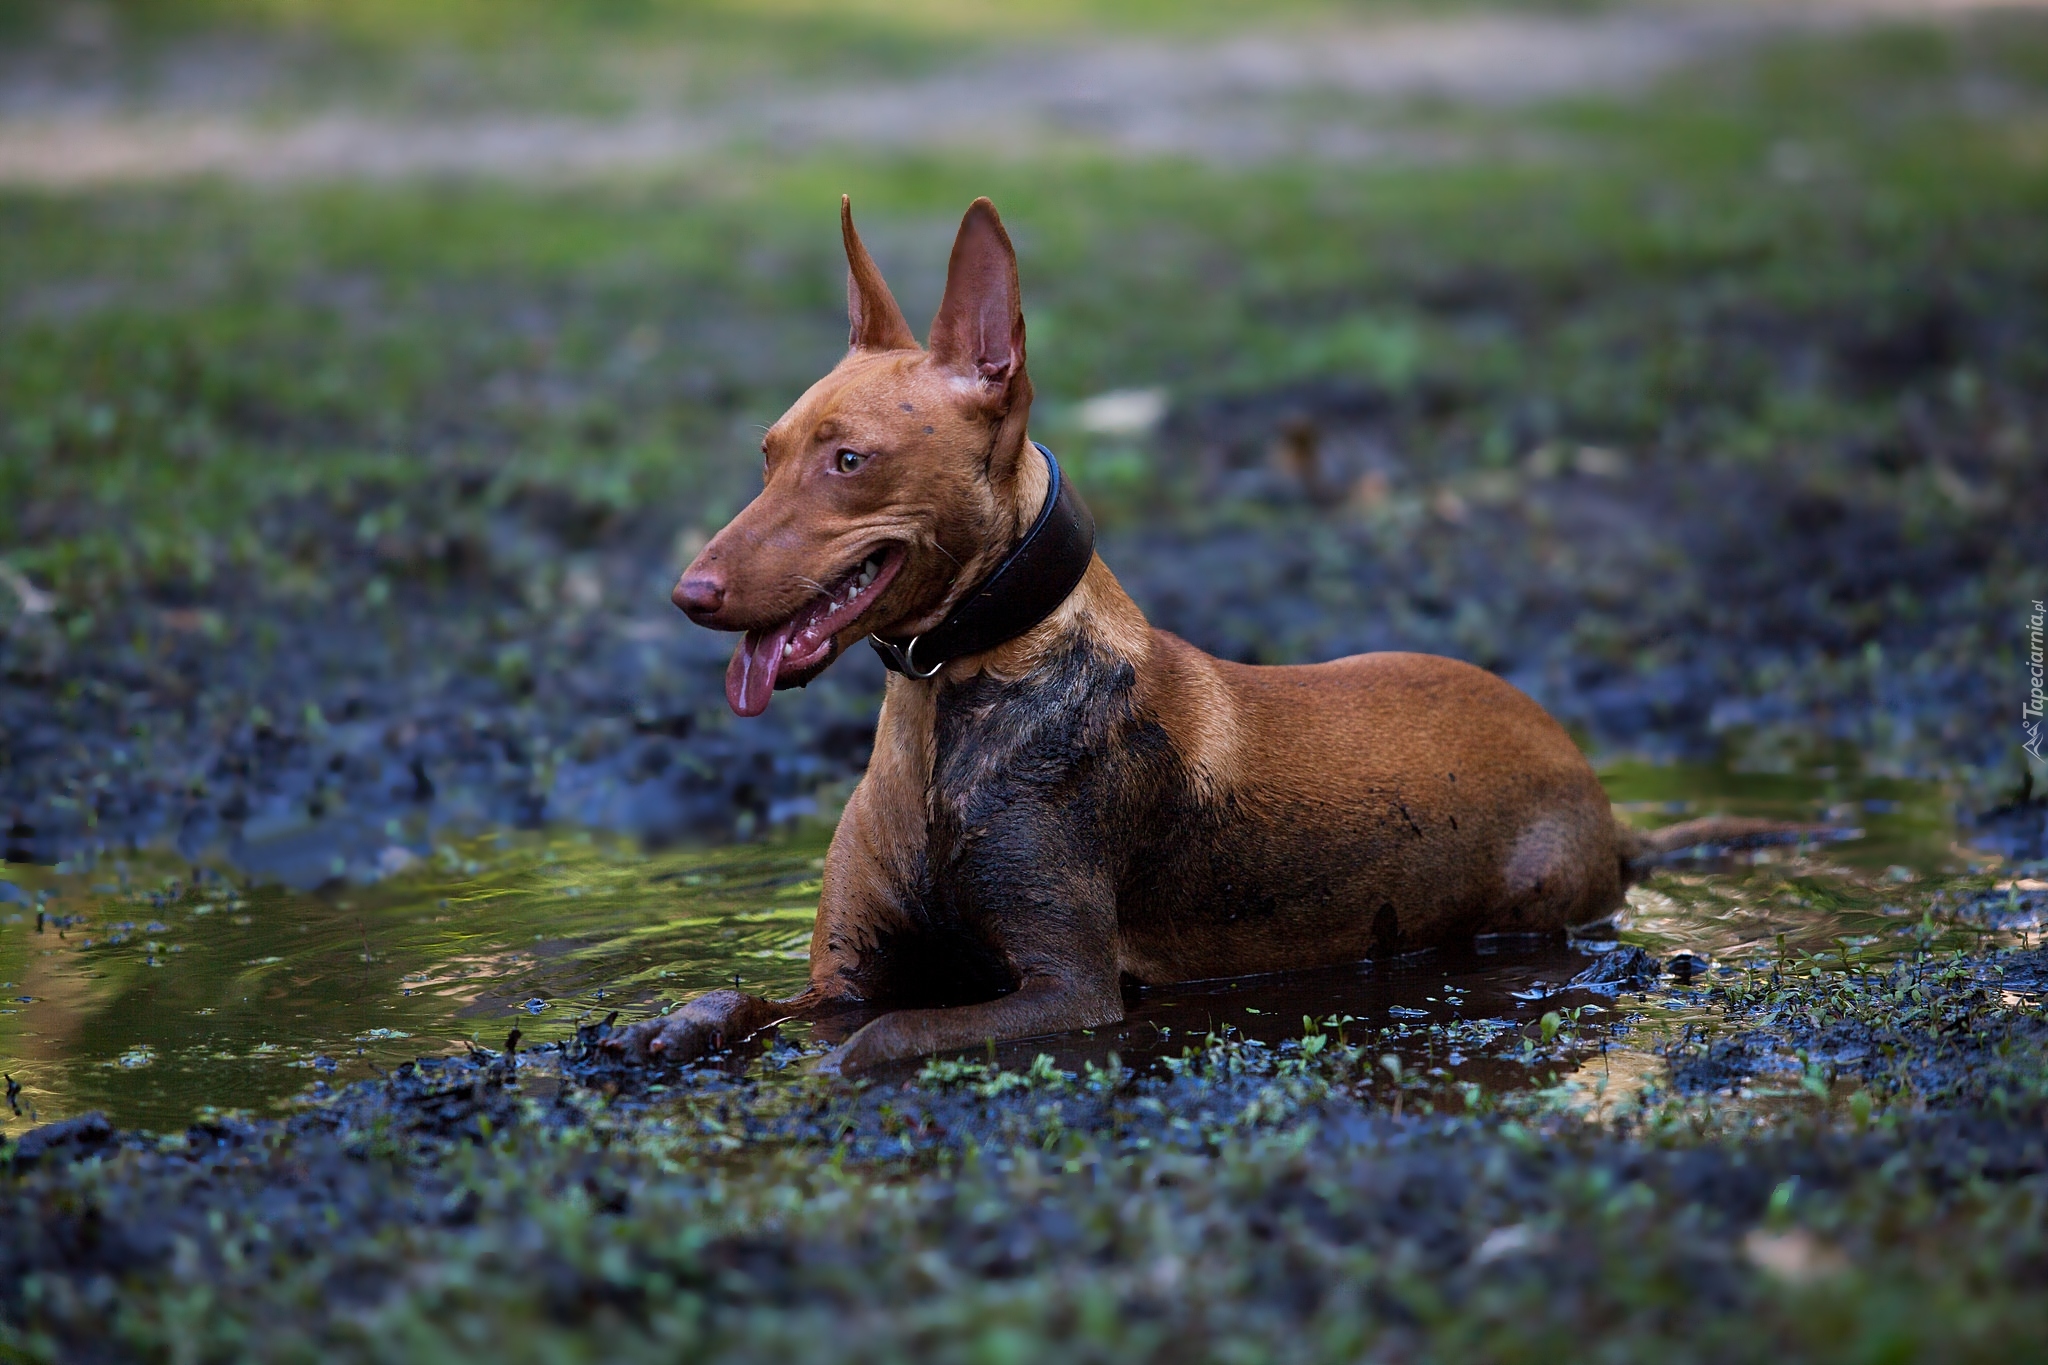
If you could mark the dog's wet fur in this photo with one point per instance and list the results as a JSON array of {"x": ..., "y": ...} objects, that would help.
[{"x": 1098, "y": 802}]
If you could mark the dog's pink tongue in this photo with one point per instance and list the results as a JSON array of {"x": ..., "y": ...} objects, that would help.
[{"x": 750, "y": 678}]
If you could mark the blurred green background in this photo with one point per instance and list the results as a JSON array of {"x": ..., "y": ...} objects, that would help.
[{"x": 194, "y": 329}]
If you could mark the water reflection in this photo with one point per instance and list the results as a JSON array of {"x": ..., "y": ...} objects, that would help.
[
  {"x": 147, "y": 995},
  {"x": 134, "y": 988}
]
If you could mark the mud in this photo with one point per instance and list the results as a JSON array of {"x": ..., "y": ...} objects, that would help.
[{"x": 332, "y": 739}]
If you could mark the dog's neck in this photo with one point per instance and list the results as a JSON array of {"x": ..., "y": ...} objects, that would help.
[
  {"x": 1098, "y": 607},
  {"x": 1016, "y": 505},
  {"x": 1028, "y": 487},
  {"x": 1098, "y": 610}
]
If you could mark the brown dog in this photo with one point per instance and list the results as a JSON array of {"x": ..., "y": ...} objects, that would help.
[{"x": 1085, "y": 799}]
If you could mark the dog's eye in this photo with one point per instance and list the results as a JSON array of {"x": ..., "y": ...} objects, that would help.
[{"x": 846, "y": 461}]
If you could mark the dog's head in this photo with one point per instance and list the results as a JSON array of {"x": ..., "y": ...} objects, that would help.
[{"x": 889, "y": 488}]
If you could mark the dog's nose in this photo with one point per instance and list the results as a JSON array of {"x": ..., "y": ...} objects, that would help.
[{"x": 699, "y": 595}]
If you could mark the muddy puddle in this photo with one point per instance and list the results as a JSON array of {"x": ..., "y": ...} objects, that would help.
[{"x": 150, "y": 990}]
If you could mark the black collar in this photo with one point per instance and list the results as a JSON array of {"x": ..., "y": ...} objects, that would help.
[{"x": 1026, "y": 588}]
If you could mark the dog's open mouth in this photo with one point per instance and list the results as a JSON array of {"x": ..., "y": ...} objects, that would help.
[{"x": 787, "y": 655}]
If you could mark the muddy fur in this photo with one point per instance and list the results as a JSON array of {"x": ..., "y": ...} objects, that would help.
[{"x": 1033, "y": 790}]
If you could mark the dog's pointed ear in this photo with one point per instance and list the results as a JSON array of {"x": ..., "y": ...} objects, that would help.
[
  {"x": 875, "y": 322},
  {"x": 979, "y": 331}
]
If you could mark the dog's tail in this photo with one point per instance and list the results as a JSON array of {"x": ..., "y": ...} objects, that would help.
[{"x": 1645, "y": 850}]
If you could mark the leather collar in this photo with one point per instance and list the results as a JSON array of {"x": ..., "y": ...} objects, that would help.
[{"x": 1026, "y": 587}]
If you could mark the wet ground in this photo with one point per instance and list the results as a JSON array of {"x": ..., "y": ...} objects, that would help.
[{"x": 345, "y": 730}]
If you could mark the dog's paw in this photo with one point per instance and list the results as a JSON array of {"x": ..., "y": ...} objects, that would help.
[
  {"x": 708, "y": 1024},
  {"x": 673, "y": 1038}
]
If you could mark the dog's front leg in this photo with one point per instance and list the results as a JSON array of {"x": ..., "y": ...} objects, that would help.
[
  {"x": 1045, "y": 1004},
  {"x": 1059, "y": 935}
]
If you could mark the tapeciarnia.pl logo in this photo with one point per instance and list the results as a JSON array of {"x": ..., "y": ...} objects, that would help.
[{"x": 2030, "y": 714}]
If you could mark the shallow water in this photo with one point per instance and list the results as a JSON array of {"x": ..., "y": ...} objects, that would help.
[{"x": 134, "y": 988}]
